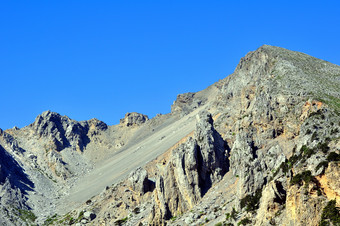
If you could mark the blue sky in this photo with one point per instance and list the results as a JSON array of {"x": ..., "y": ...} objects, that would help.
[{"x": 101, "y": 59}]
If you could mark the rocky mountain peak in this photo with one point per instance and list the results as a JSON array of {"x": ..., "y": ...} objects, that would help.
[
  {"x": 100, "y": 125},
  {"x": 46, "y": 122},
  {"x": 61, "y": 131},
  {"x": 134, "y": 119}
]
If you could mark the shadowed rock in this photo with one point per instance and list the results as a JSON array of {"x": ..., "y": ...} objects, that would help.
[{"x": 11, "y": 170}]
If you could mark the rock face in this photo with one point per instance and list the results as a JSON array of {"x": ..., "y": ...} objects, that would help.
[
  {"x": 139, "y": 181},
  {"x": 64, "y": 132},
  {"x": 265, "y": 151},
  {"x": 14, "y": 183},
  {"x": 191, "y": 170},
  {"x": 134, "y": 119},
  {"x": 186, "y": 102}
]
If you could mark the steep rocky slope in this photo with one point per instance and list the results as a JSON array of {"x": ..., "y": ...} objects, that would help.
[{"x": 264, "y": 151}]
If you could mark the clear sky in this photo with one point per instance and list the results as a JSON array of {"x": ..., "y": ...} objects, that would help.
[{"x": 101, "y": 59}]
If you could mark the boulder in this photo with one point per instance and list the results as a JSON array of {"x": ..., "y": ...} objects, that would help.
[{"x": 89, "y": 215}]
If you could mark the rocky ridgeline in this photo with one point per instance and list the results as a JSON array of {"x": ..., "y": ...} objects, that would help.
[
  {"x": 14, "y": 182},
  {"x": 186, "y": 103},
  {"x": 62, "y": 132},
  {"x": 265, "y": 151}
]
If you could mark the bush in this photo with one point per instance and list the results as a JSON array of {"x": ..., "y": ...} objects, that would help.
[
  {"x": 333, "y": 157},
  {"x": 227, "y": 216},
  {"x": 50, "y": 220},
  {"x": 307, "y": 152},
  {"x": 26, "y": 215},
  {"x": 251, "y": 202},
  {"x": 305, "y": 176},
  {"x": 233, "y": 214},
  {"x": 323, "y": 147},
  {"x": 244, "y": 221},
  {"x": 121, "y": 221},
  {"x": 330, "y": 213},
  {"x": 292, "y": 160}
]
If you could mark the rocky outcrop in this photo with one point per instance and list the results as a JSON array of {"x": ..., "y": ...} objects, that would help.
[
  {"x": 134, "y": 119},
  {"x": 58, "y": 166},
  {"x": 186, "y": 103},
  {"x": 191, "y": 170},
  {"x": 62, "y": 132},
  {"x": 10, "y": 143},
  {"x": 139, "y": 181},
  {"x": 14, "y": 184}
]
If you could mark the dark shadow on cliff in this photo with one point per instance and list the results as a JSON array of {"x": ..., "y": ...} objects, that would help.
[{"x": 11, "y": 170}]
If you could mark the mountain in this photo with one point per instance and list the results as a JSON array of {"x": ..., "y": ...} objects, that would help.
[{"x": 260, "y": 147}]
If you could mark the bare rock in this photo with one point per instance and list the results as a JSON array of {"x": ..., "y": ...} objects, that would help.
[
  {"x": 134, "y": 119},
  {"x": 212, "y": 150},
  {"x": 185, "y": 103},
  {"x": 62, "y": 132},
  {"x": 139, "y": 181},
  {"x": 193, "y": 168},
  {"x": 89, "y": 215}
]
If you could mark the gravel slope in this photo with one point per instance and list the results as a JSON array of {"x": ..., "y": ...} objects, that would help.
[{"x": 122, "y": 163}]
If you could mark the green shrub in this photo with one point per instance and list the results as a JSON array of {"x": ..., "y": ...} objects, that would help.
[
  {"x": 305, "y": 176},
  {"x": 333, "y": 157},
  {"x": 233, "y": 214},
  {"x": 251, "y": 202},
  {"x": 244, "y": 221},
  {"x": 304, "y": 148},
  {"x": 323, "y": 147},
  {"x": 330, "y": 213},
  {"x": 50, "y": 220},
  {"x": 307, "y": 152},
  {"x": 219, "y": 224},
  {"x": 319, "y": 192},
  {"x": 173, "y": 218},
  {"x": 26, "y": 215},
  {"x": 292, "y": 160},
  {"x": 121, "y": 221}
]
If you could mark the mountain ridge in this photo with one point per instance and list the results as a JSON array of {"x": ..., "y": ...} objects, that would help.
[{"x": 260, "y": 146}]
